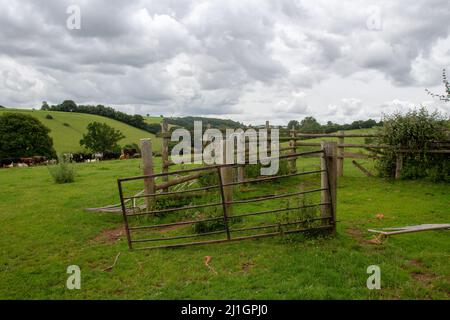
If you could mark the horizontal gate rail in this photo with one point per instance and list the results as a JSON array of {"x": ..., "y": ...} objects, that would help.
[
  {"x": 285, "y": 195},
  {"x": 278, "y": 210},
  {"x": 213, "y": 204},
  {"x": 181, "y": 237},
  {"x": 180, "y": 223},
  {"x": 145, "y": 195},
  {"x": 264, "y": 235},
  {"x": 273, "y": 178},
  {"x": 274, "y": 225}
]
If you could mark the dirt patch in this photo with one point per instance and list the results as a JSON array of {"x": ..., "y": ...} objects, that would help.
[
  {"x": 110, "y": 235},
  {"x": 423, "y": 275},
  {"x": 359, "y": 236},
  {"x": 247, "y": 266}
]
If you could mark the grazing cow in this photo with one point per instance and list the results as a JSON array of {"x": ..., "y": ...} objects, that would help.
[
  {"x": 39, "y": 159},
  {"x": 128, "y": 153},
  {"x": 28, "y": 161},
  {"x": 8, "y": 162}
]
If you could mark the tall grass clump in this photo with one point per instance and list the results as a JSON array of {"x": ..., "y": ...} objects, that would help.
[
  {"x": 415, "y": 130},
  {"x": 63, "y": 171}
]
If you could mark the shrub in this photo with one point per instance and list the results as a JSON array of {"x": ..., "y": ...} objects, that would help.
[
  {"x": 414, "y": 130},
  {"x": 62, "y": 172},
  {"x": 66, "y": 124},
  {"x": 49, "y": 117},
  {"x": 208, "y": 179},
  {"x": 23, "y": 135},
  {"x": 254, "y": 170}
]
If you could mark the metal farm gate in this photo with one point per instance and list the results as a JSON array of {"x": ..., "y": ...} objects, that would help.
[{"x": 178, "y": 218}]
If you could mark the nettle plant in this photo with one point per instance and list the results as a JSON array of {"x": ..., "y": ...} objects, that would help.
[{"x": 415, "y": 130}]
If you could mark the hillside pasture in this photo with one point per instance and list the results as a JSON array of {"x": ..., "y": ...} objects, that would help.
[{"x": 67, "y": 128}]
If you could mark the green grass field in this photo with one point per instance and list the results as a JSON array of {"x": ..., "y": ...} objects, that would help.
[
  {"x": 45, "y": 229},
  {"x": 67, "y": 138}
]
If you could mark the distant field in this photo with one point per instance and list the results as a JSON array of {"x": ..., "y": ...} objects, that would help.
[
  {"x": 153, "y": 119},
  {"x": 67, "y": 138}
]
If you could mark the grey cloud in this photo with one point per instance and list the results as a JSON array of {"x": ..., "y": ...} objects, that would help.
[{"x": 203, "y": 57}]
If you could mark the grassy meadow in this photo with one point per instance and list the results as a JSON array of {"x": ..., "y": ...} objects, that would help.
[
  {"x": 45, "y": 229},
  {"x": 67, "y": 138}
]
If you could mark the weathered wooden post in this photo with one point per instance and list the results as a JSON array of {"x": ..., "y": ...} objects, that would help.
[
  {"x": 226, "y": 177},
  {"x": 293, "y": 161},
  {"x": 240, "y": 169},
  {"x": 147, "y": 162},
  {"x": 269, "y": 135},
  {"x": 340, "y": 154},
  {"x": 398, "y": 166},
  {"x": 329, "y": 181},
  {"x": 165, "y": 151}
]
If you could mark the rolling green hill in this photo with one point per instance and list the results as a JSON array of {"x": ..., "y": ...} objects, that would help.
[{"x": 67, "y": 138}]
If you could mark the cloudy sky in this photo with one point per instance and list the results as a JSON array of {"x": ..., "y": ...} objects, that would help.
[{"x": 247, "y": 60}]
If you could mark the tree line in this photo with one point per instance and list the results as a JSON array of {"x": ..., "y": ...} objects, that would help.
[
  {"x": 311, "y": 125},
  {"x": 136, "y": 120}
]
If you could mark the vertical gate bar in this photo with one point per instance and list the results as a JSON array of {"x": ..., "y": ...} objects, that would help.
[
  {"x": 124, "y": 213},
  {"x": 224, "y": 204}
]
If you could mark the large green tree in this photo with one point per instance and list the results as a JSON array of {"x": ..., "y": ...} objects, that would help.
[
  {"x": 310, "y": 125},
  {"x": 293, "y": 124},
  {"x": 101, "y": 137},
  {"x": 22, "y": 135}
]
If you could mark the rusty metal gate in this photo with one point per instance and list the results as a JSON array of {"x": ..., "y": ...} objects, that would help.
[{"x": 163, "y": 222}]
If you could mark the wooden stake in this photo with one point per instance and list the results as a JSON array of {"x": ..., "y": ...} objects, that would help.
[
  {"x": 293, "y": 162},
  {"x": 340, "y": 154},
  {"x": 329, "y": 181}
]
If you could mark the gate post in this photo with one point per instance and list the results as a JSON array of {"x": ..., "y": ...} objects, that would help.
[
  {"x": 293, "y": 161},
  {"x": 147, "y": 162},
  {"x": 240, "y": 169},
  {"x": 329, "y": 181},
  {"x": 165, "y": 151},
  {"x": 340, "y": 154}
]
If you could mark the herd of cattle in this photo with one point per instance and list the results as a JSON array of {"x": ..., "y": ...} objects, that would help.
[{"x": 72, "y": 157}]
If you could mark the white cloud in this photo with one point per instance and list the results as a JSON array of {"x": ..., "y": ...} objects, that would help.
[{"x": 251, "y": 60}]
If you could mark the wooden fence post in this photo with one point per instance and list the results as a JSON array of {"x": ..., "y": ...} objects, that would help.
[
  {"x": 165, "y": 151},
  {"x": 269, "y": 135},
  {"x": 293, "y": 161},
  {"x": 240, "y": 169},
  {"x": 398, "y": 166},
  {"x": 340, "y": 154},
  {"x": 225, "y": 177},
  {"x": 329, "y": 163},
  {"x": 147, "y": 162}
]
